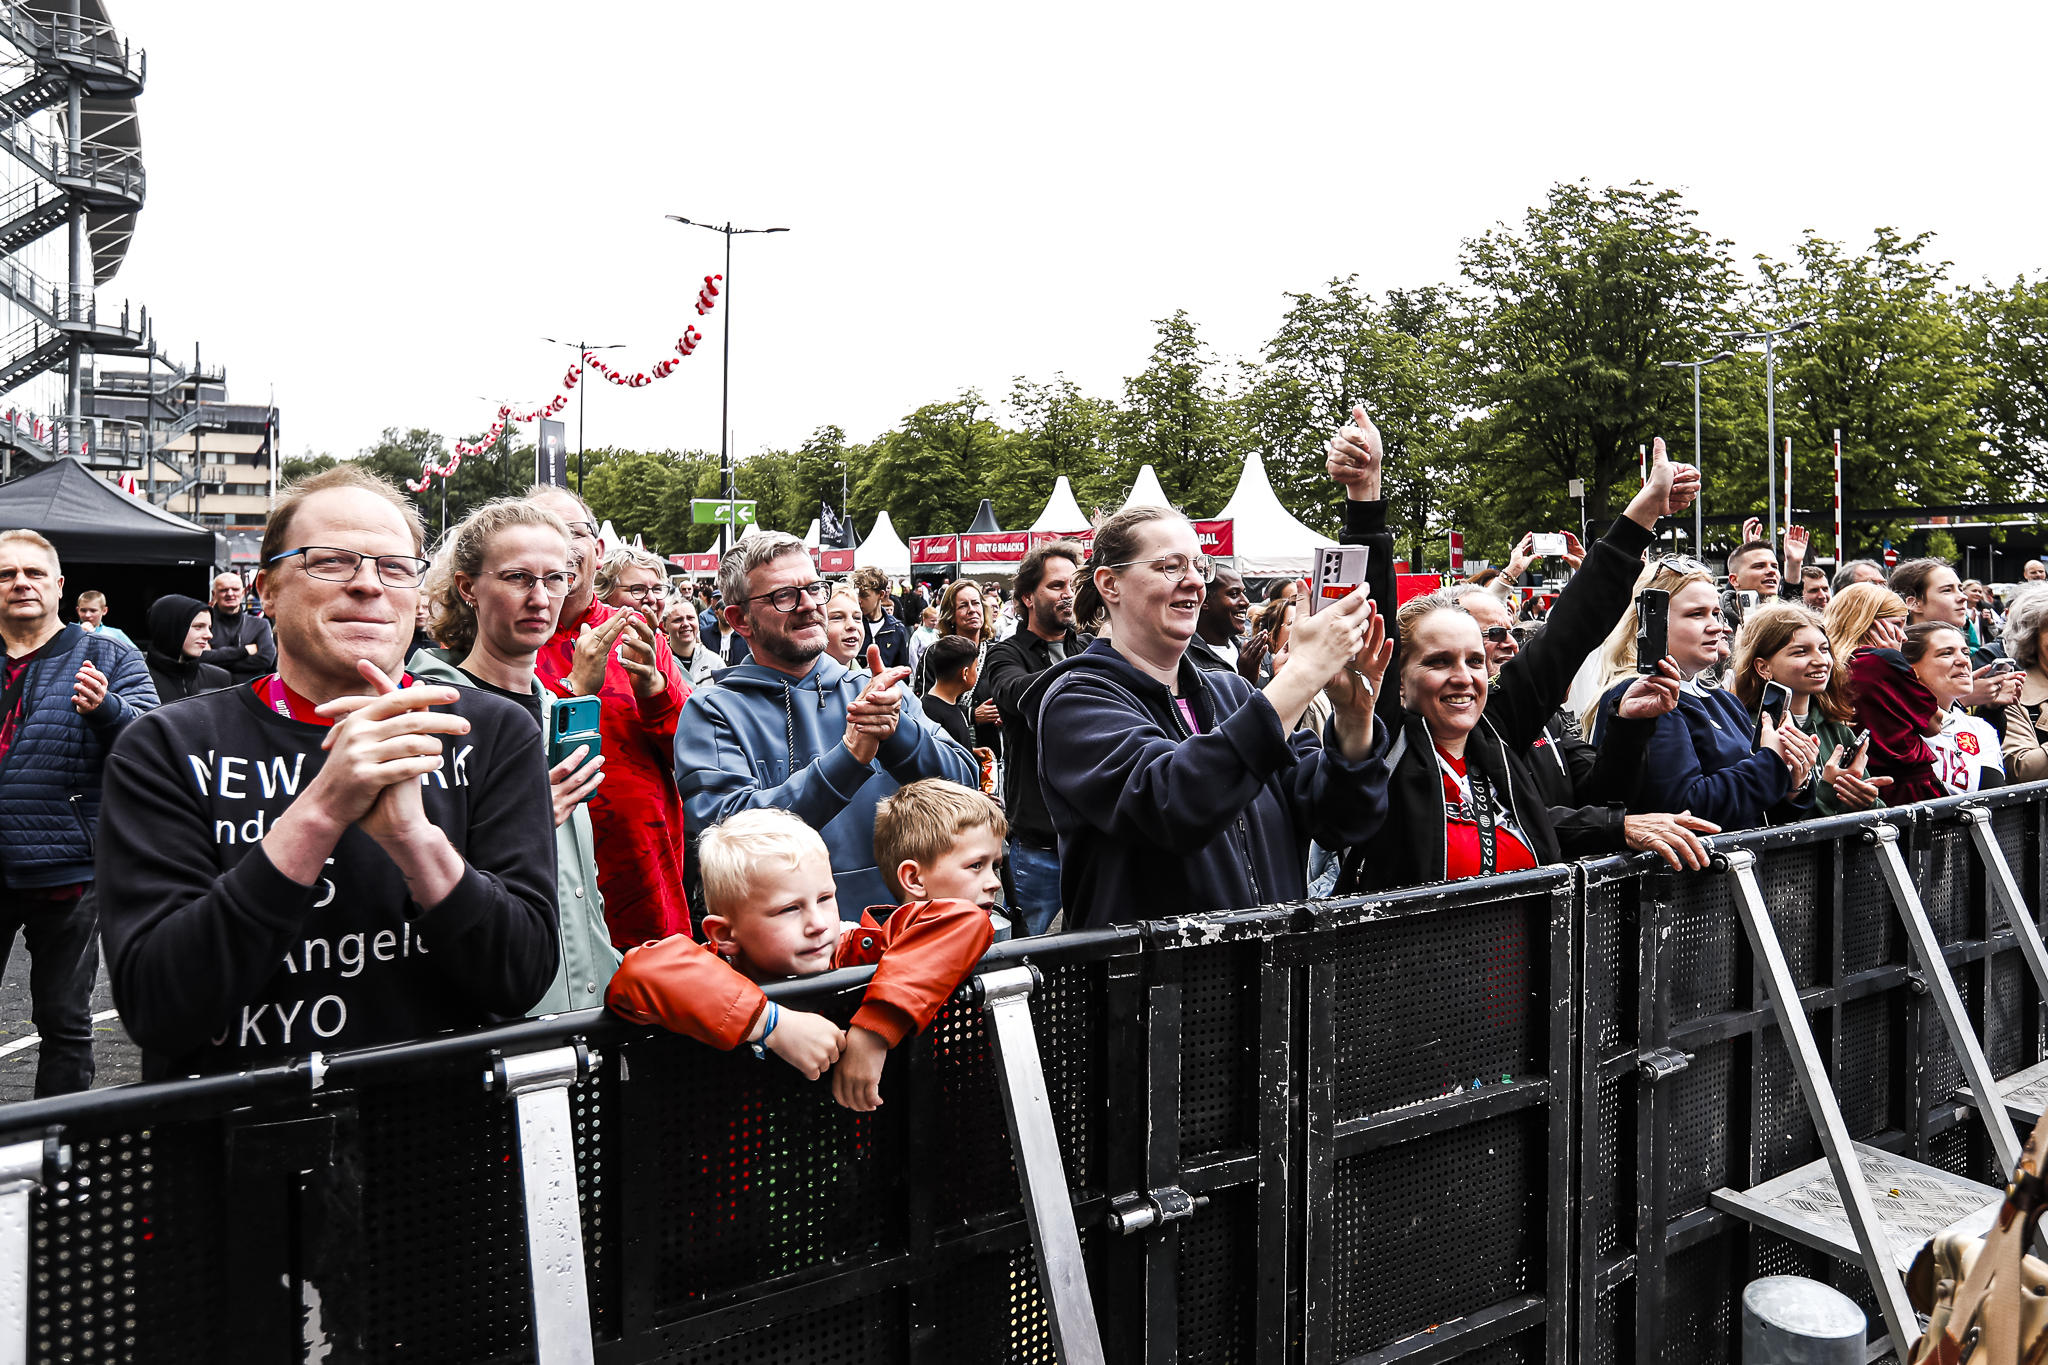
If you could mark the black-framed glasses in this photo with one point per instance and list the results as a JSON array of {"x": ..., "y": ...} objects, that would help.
[
  {"x": 1176, "y": 567},
  {"x": 640, "y": 592},
  {"x": 785, "y": 599},
  {"x": 341, "y": 566},
  {"x": 1500, "y": 635},
  {"x": 557, "y": 584}
]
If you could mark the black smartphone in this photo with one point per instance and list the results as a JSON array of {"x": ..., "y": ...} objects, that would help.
[
  {"x": 1858, "y": 742},
  {"x": 1777, "y": 697},
  {"x": 1653, "y": 628},
  {"x": 2001, "y": 667},
  {"x": 575, "y": 724}
]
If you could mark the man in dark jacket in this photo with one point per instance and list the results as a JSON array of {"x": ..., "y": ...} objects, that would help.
[
  {"x": 1219, "y": 630},
  {"x": 332, "y": 857},
  {"x": 64, "y": 695},
  {"x": 1045, "y": 635},
  {"x": 242, "y": 644}
]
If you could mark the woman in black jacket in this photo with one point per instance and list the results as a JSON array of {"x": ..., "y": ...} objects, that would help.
[
  {"x": 180, "y": 629},
  {"x": 1463, "y": 797}
]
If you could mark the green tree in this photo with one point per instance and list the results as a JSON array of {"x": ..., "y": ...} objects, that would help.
[
  {"x": 1064, "y": 431},
  {"x": 2009, "y": 337},
  {"x": 821, "y": 463},
  {"x": 647, "y": 493},
  {"x": 1337, "y": 349},
  {"x": 1178, "y": 417},
  {"x": 1889, "y": 364},
  {"x": 1571, "y": 318},
  {"x": 929, "y": 472}
]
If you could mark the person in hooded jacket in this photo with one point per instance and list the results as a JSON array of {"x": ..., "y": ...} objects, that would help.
[
  {"x": 1175, "y": 791},
  {"x": 1465, "y": 798},
  {"x": 180, "y": 630},
  {"x": 794, "y": 729}
]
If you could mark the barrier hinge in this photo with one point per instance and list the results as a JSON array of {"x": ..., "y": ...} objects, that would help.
[
  {"x": 1663, "y": 1062},
  {"x": 1134, "y": 1212}
]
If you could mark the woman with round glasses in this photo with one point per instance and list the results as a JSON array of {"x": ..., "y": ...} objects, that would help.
[
  {"x": 497, "y": 589},
  {"x": 1174, "y": 791},
  {"x": 634, "y": 580}
]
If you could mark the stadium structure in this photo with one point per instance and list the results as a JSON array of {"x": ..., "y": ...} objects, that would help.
[{"x": 71, "y": 187}]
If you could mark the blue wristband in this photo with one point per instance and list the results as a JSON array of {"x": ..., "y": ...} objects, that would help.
[{"x": 760, "y": 1045}]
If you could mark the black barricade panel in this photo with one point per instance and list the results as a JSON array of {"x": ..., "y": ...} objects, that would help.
[{"x": 1484, "y": 1121}]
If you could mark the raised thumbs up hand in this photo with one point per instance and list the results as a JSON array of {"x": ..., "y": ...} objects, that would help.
[{"x": 1669, "y": 489}]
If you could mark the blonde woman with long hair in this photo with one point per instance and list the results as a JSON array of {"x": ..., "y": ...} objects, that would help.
[{"x": 1702, "y": 759}]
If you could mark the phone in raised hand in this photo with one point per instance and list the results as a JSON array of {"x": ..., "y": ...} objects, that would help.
[
  {"x": 1653, "y": 628},
  {"x": 1777, "y": 697}
]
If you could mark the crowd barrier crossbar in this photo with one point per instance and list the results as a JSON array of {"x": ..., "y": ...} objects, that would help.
[{"x": 1478, "y": 1121}]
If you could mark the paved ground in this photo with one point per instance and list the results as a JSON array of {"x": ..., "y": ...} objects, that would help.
[{"x": 118, "y": 1060}]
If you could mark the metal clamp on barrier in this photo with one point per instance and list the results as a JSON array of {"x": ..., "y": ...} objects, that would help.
[
  {"x": 537, "y": 1084},
  {"x": 1006, "y": 998},
  {"x": 1134, "y": 1212},
  {"x": 25, "y": 1167},
  {"x": 1661, "y": 1063}
]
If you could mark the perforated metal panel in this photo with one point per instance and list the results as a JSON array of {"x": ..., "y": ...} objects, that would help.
[
  {"x": 1400, "y": 1266},
  {"x": 1461, "y": 991},
  {"x": 1218, "y": 1274},
  {"x": 1701, "y": 947},
  {"x": 1219, "y": 1058},
  {"x": 992, "y": 1310}
]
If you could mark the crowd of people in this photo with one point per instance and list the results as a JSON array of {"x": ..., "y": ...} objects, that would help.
[{"x": 524, "y": 772}]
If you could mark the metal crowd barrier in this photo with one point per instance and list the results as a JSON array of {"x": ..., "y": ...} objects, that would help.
[{"x": 1528, "y": 1117}]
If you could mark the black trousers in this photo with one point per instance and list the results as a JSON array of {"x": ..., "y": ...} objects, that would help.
[{"x": 64, "y": 957}]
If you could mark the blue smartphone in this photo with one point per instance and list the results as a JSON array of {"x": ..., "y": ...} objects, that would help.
[{"x": 574, "y": 722}]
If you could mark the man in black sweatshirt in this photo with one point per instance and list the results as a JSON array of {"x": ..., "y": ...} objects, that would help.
[{"x": 323, "y": 859}]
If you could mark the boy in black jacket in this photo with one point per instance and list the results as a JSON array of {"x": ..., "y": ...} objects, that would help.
[{"x": 323, "y": 859}]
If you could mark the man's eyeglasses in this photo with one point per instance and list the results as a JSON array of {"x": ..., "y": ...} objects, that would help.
[
  {"x": 1176, "y": 567},
  {"x": 785, "y": 600},
  {"x": 583, "y": 530},
  {"x": 342, "y": 566},
  {"x": 1499, "y": 635},
  {"x": 557, "y": 584}
]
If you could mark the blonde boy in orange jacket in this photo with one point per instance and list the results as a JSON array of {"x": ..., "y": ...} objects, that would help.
[{"x": 772, "y": 913}]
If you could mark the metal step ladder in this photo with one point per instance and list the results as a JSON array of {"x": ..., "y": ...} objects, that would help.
[
  {"x": 1893, "y": 1204},
  {"x": 2024, "y": 1093}
]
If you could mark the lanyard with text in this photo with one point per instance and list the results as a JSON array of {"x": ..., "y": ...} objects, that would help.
[
  {"x": 1479, "y": 800},
  {"x": 279, "y": 702}
]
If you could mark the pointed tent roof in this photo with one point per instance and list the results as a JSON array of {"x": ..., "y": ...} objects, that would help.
[
  {"x": 811, "y": 536},
  {"x": 883, "y": 548},
  {"x": 1146, "y": 492},
  {"x": 984, "y": 520},
  {"x": 1061, "y": 512},
  {"x": 1269, "y": 540},
  {"x": 91, "y": 521},
  {"x": 607, "y": 534}
]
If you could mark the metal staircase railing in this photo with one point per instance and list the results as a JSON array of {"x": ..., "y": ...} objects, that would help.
[
  {"x": 71, "y": 310},
  {"x": 104, "y": 176},
  {"x": 91, "y": 50},
  {"x": 33, "y": 95},
  {"x": 31, "y": 349},
  {"x": 31, "y": 212}
]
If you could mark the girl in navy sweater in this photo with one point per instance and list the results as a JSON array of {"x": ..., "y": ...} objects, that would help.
[{"x": 1706, "y": 757}]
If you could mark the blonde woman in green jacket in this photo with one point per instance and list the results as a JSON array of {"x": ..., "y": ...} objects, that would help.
[{"x": 497, "y": 587}]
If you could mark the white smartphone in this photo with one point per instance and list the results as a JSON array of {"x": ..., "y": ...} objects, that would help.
[
  {"x": 1338, "y": 569},
  {"x": 1549, "y": 543}
]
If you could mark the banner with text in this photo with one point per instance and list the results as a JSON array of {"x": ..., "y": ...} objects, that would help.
[
  {"x": 550, "y": 455},
  {"x": 704, "y": 563},
  {"x": 934, "y": 549},
  {"x": 834, "y": 561},
  {"x": 995, "y": 547}
]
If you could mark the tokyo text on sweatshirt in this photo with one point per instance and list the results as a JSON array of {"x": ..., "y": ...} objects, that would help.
[{"x": 220, "y": 962}]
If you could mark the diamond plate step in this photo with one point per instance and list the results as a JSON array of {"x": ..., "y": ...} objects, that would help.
[
  {"x": 2025, "y": 1093},
  {"x": 1914, "y": 1202}
]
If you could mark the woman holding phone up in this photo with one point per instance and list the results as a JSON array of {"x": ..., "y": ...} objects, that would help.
[{"x": 1784, "y": 643}]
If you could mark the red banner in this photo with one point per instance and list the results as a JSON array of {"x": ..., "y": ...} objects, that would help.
[
  {"x": 704, "y": 563},
  {"x": 835, "y": 561},
  {"x": 995, "y": 547},
  {"x": 934, "y": 549},
  {"x": 1219, "y": 538},
  {"x": 1407, "y": 585},
  {"x": 1085, "y": 539}
]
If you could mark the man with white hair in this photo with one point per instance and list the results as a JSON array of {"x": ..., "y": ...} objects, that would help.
[
  {"x": 794, "y": 729},
  {"x": 242, "y": 644}
]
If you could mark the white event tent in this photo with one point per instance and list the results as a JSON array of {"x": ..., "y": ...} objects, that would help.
[
  {"x": 1061, "y": 512},
  {"x": 1146, "y": 492},
  {"x": 1269, "y": 541},
  {"x": 884, "y": 549},
  {"x": 811, "y": 536}
]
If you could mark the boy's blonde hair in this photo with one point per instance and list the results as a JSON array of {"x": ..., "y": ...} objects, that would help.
[
  {"x": 923, "y": 821},
  {"x": 730, "y": 852}
]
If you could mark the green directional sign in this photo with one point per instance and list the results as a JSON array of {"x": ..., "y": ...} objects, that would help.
[{"x": 719, "y": 512}]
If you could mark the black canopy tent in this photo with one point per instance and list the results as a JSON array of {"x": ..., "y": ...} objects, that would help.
[{"x": 120, "y": 545}]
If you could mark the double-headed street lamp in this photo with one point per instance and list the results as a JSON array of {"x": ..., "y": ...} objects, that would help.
[
  {"x": 1769, "y": 338},
  {"x": 725, "y": 384},
  {"x": 583, "y": 348},
  {"x": 1699, "y": 505}
]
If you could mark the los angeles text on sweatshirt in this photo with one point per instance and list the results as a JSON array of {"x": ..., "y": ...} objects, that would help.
[{"x": 220, "y": 962}]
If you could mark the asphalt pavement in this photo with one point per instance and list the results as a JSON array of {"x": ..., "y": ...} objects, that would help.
[{"x": 119, "y": 1062}]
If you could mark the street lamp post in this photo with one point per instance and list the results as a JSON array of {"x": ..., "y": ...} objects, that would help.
[
  {"x": 725, "y": 383},
  {"x": 1769, "y": 338},
  {"x": 1699, "y": 505},
  {"x": 582, "y": 394}
]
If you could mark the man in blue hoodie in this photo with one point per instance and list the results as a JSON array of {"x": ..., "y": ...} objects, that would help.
[{"x": 792, "y": 728}]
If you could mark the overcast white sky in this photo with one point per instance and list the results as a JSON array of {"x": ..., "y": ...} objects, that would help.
[{"x": 379, "y": 209}]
